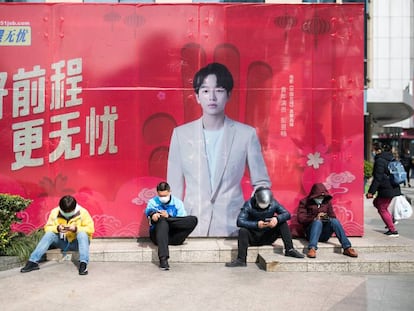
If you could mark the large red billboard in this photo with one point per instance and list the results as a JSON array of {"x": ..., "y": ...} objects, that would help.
[{"x": 90, "y": 95}]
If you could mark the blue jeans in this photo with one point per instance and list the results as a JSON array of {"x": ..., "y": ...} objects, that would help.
[
  {"x": 81, "y": 244},
  {"x": 319, "y": 231}
]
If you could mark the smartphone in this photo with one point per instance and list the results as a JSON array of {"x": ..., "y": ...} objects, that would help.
[{"x": 268, "y": 219}]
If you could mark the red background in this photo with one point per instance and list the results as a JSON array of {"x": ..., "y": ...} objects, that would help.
[{"x": 141, "y": 59}]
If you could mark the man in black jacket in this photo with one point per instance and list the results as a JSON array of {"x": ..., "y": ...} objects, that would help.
[
  {"x": 381, "y": 185},
  {"x": 261, "y": 221},
  {"x": 405, "y": 160}
]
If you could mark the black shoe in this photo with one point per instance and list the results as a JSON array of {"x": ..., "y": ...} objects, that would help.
[
  {"x": 164, "y": 264},
  {"x": 294, "y": 253},
  {"x": 392, "y": 233},
  {"x": 83, "y": 268},
  {"x": 30, "y": 266},
  {"x": 236, "y": 263}
]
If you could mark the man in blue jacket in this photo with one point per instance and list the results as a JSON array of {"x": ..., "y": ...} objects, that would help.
[
  {"x": 261, "y": 221},
  {"x": 169, "y": 223}
]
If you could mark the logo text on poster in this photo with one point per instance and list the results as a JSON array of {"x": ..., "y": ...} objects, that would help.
[{"x": 15, "y": 33}]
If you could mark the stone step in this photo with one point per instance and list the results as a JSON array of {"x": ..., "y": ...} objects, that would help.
[
  {"x": 383, "y": 255},
  {"x": 387, "y": 262},
  {"x": 9, "y": 262}
]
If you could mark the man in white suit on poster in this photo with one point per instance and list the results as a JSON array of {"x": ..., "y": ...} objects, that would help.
[{"x": 207, "y": 157}]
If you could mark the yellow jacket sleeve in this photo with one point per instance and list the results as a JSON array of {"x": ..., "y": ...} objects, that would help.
[
  {"x": 52, "y": 222},
  {"x": 86, "y": 223}
]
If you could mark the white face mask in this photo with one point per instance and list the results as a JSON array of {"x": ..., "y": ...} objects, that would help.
[
  {"x": 165, "y": 199},
  {"x": 318, "y": 201},
  {"x": 263, "y": 205}
]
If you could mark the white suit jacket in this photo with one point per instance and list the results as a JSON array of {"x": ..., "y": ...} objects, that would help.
[{"x": 215, "y": 204}]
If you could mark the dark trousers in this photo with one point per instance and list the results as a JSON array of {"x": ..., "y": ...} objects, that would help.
[
  {"x": 248, "y": 237},
  {"x": 407, "y": 170},
  {"x": 171, "y": 231}
]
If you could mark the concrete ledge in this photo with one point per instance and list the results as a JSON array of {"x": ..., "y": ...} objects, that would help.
[
  {"x": 9, "y": 262},
  {"x": 365, "y": 263},
  {"x": 376, "y": 254}
]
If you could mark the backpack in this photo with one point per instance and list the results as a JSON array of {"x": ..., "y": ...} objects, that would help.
[{"x": 398, "y": 175}]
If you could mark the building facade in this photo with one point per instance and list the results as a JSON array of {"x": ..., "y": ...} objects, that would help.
[{"x": 390, "y": 43}]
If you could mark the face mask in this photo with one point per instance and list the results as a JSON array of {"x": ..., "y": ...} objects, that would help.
[
  {"x": 318, "y": 201},
  {"x": 68, "y": 214},
  {"x": 165, "y": 199},
  {"x": 263, "y": 205}
]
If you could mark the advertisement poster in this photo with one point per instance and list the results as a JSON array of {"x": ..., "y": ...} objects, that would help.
[{"x": 90, "y": 95}]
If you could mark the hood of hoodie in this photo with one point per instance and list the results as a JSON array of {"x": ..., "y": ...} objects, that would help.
[
  {"x": 385, "y": 155},
  {"x": 319, "y": 189}
]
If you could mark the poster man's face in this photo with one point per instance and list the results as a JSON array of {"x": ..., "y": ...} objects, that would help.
[{"x": 211, "y": 97}]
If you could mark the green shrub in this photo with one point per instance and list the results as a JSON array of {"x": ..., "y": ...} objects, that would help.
[
  {"x": 10, "y": 205},
  {"x": 22, "y": 245},
  {"x": 368, "y": 168}
]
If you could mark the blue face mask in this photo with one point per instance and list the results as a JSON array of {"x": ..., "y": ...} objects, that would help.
[{"x": 68, "y": 214}]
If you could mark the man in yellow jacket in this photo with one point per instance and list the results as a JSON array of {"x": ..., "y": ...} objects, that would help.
[{"x": 70, "y": 228}]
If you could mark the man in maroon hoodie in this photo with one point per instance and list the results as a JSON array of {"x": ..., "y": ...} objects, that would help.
[{"x": 319, "y": 221}]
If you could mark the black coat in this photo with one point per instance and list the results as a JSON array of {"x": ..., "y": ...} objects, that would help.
[
  {"x": 406, "y": 161},
  {"x": 250, "y": 214},
  {"x": 381, "y": 181}
]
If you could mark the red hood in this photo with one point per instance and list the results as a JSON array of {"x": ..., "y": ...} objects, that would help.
[{"x": 317, "y": 190}]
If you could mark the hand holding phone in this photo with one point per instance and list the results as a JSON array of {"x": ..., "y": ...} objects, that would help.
[
  {"x": 62, "y": 228},
  {"x": 69, "y": 228},
  {"x": 163, "y": 213}
]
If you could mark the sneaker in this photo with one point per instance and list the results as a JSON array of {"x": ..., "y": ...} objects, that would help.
[
  {"x": 392, "y": 233},
  {"x": 350, "y": 252},
  {"x": 164, "y": 264},
  {"x": 236, "y": 263},
  {"x": 294, "y": 253},
  {"x": 83, "y": 268},
  {"x": 30, "y": 266},
  {"x": 311, "y": 253}
]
